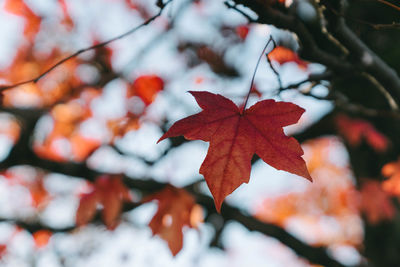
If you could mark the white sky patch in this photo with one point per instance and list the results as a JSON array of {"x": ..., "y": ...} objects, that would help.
[
  {"x": 181, "y": 165},
  {"x": 105, "y": 159},
  {"x": 143, "y": 142},
  {"x": 265, "y": 181},
  {"x": 95, "y": 129},
  {"x": 60, "y": 212},
  {"x": 254, "y": 249},
  {"x": 110, "y": 104}
]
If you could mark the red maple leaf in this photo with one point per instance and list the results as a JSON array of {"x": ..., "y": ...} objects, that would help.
[
  {"x": 235, "y": 136},
  {"x": 176, "y": 209}
]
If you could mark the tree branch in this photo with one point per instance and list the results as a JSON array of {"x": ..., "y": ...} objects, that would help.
[
  {"x": 309, "y": 48},
  {"x": 367, "y": 60}
]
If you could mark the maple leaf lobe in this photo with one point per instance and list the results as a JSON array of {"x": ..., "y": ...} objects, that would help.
[{"x": 235, "y": 137}]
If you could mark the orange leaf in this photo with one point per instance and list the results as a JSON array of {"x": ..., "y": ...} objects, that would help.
[
  {"x": 146, "y": 87},
  {"x": 284, "y": 55},
  {"x": 42, "y": 238},
  {"x": 39, "y": 194},
  {"x": 47, "y": 151},
  {"x": 83, "y": 146},
  {"x": 235, "y": 137},
  {"x": 32, "y": 24},
  {"x": 28, "y": 64},
  {"x": 392, "y": 185},
  {"x": 176, "y": 209}
]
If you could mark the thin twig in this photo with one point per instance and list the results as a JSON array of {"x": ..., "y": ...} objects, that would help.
[
  {"x": 77, "y": 53},
  {"x": 255, "y": 71},
  {"x": 325, "y": 31},
  {"x": 393, "y": 25},
  {"x": 311, "y": 78},
  {"x": 392, "y": 103},
  {"x": 278, "y": 76}
]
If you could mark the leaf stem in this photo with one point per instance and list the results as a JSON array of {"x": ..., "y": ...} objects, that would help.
[{"x": 255, "y": 71}]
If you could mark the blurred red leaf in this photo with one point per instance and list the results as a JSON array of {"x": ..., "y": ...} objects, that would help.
[
  {"x": 375, "y": 202},
  {"x": 67, "y": 20},
  {"x": 235, "y": 136},
  {"x": 255, "y": 91},
  {"x": 355, "y": 130},
  {"x": 242, "y": 31},
  {"x": 87, "y": 208},
  {"x": 113, "y": 193},
  {"x": 110, "y": 192},
  {"x": 3, "y": 250},
  {"x": 131, "y": 4},
  {"x": 176, "y": 209}
]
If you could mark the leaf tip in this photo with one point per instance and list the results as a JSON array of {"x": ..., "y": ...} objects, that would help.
[
  {"x": 159, "y": 140},
  {"x": 218, "y": 204},
  {"x": 307, "y": 175},
  {"x": 164, "y": 136}
]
